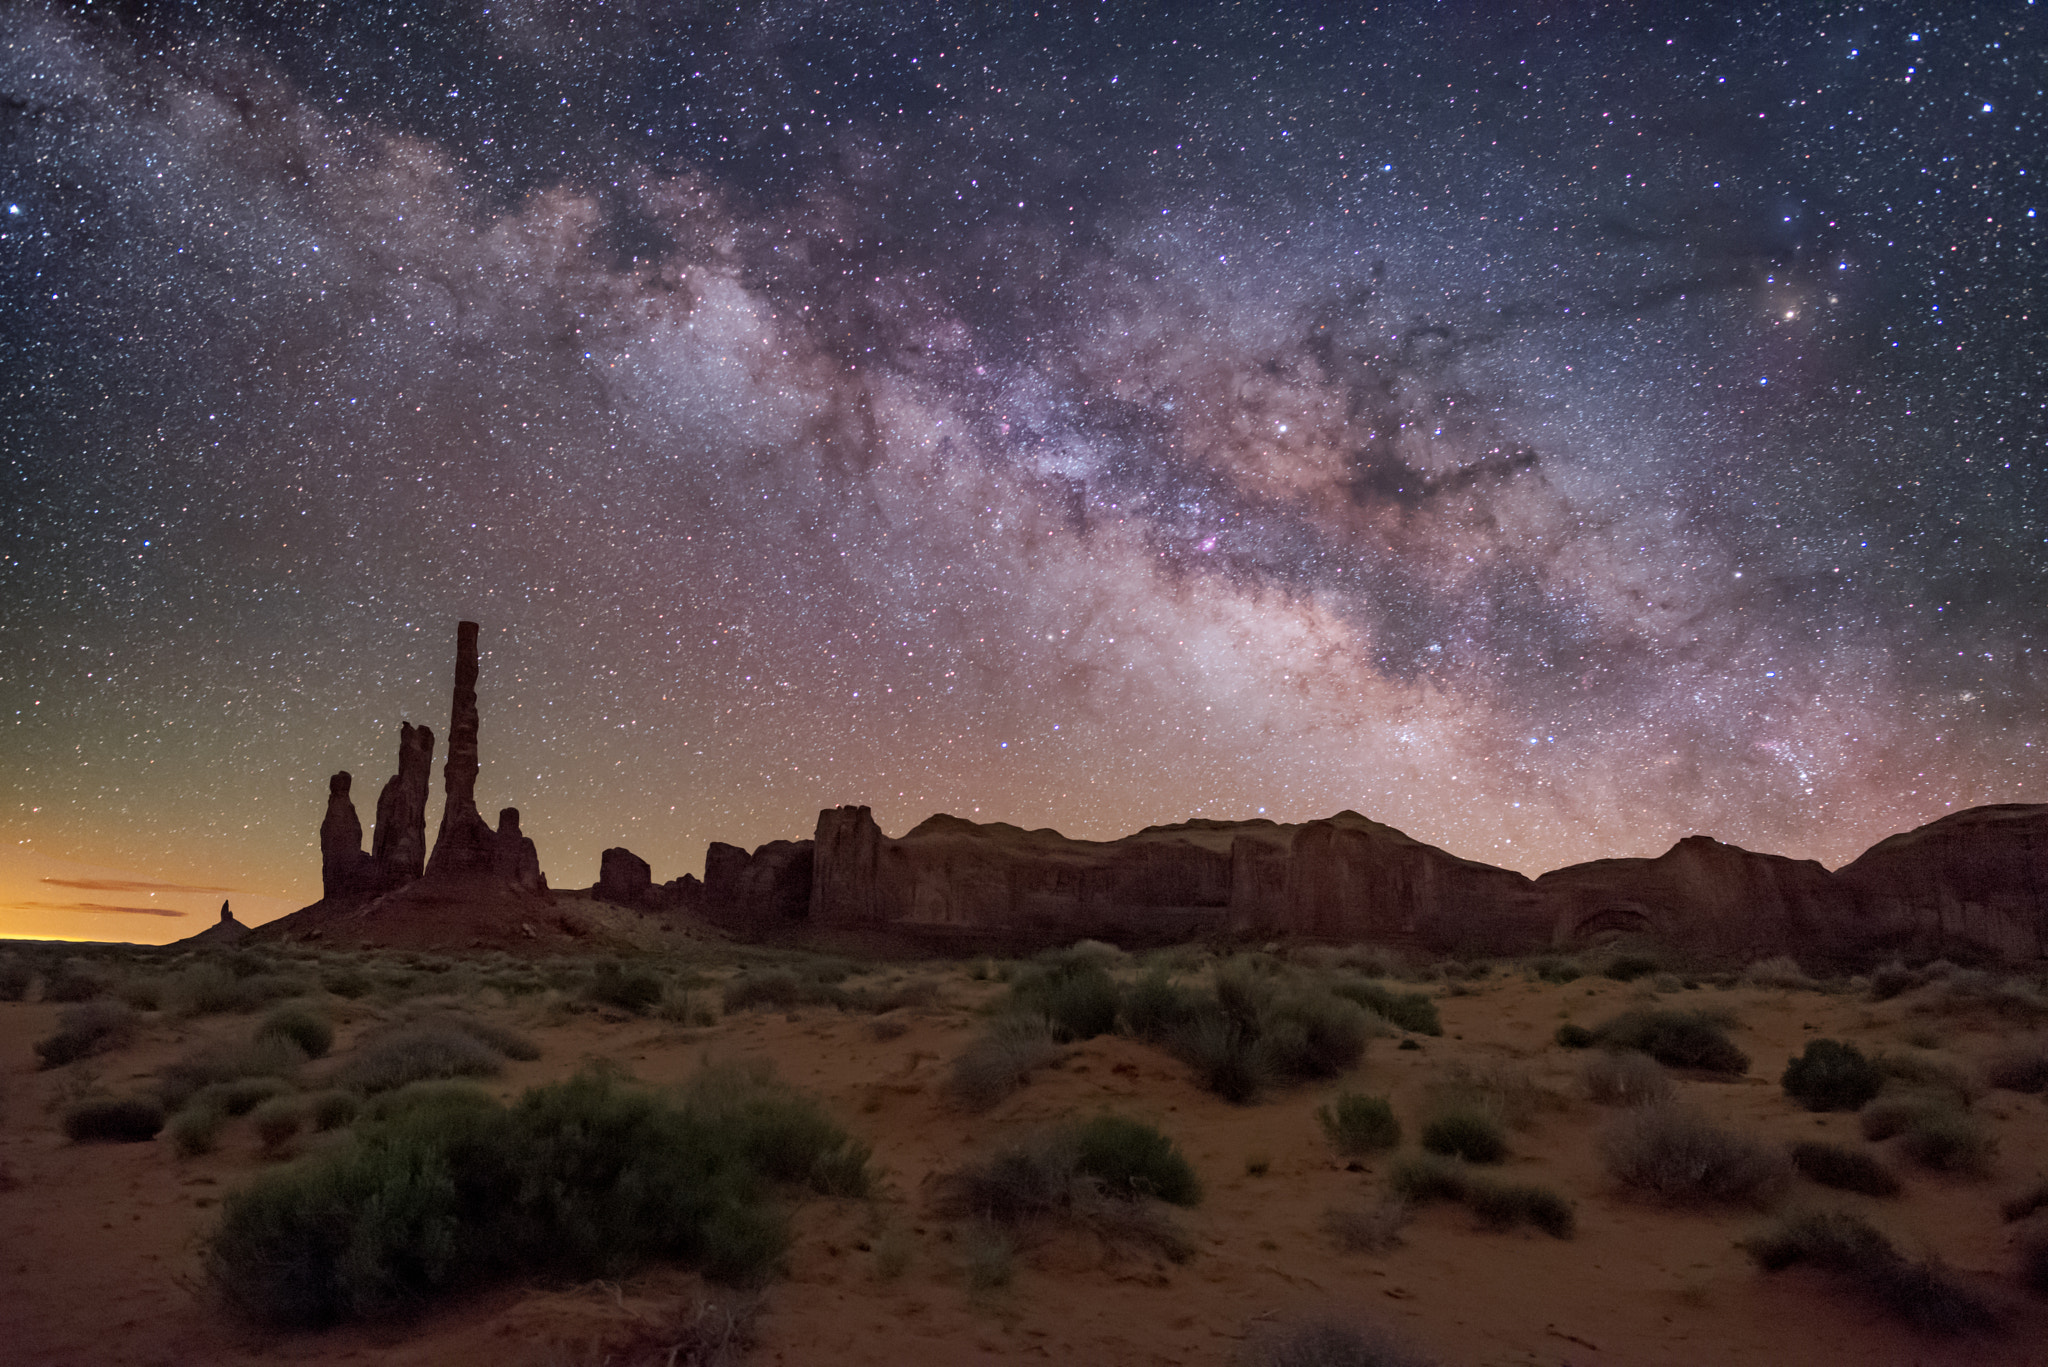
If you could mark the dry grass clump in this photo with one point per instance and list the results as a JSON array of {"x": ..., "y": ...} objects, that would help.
[
  {"x": 1916, "y": 1073},
  {"x": 1367, "y": 1231},
  {"x": 196, "y": 1130},
  {"x": 1625, "y": 1078},
  {"x": 1427, "y": 1178},
  {"x": 1973, "y": 992},
  {"x": 1414, "y": 1012},
  {"x": 1781, "y": 971},
  {"x": 311, "y": 1031},
  {"x": 1497, "y": 1088},
  {"x": 1933, "y": 1132},
  {"x": 95, "y": 1027},
  {"x": 119, "y": 1120},
  {"x": 1626, "y": 968},
  {"x": 1831, "y": 1165},
  {"x": 1676, "y": 1039},
  {"x": 1556, "y": 970},
  {"x": 1358, "y": 1125},
  {"x": 1326, "y": 1344},
  {"x": 1000, "y": 1061},
  {"x": 2021, "y": 1067},
  {"x": 1099, "y": 1174},
  {"x": 430, "y": 1047},
  {"x": 1673, "y": 1153},
  {"x": 1924, "y": 1295},
  {"x": 266, "y": 1057},
  {"x": 1466, "y": 1133}
]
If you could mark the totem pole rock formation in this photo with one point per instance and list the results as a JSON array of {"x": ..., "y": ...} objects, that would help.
[{"x": 346, "y": 873}]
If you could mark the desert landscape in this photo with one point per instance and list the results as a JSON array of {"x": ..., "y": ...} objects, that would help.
[{"x": 933, "y": 1070}]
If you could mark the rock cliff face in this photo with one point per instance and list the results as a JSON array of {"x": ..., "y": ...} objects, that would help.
[{"x": 1975, "y": 882}]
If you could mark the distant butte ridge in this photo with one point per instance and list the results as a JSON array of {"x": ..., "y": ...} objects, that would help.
[{"x": 1973, "y": 884}]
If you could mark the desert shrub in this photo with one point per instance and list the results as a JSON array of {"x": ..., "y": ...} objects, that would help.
[
  {"x": 1225, "y": 1057},
  {"x": 1075, "y": 997},
  {"x": 1894, "y": 979},
  {"x": 1554, "y": 970},
  {"x": 1155, "y": 1006},
  {"x": 2023, "y": 1068},
  {"x": 1411, "y": 1011},
  {"x": 278, "y": 1121},
  {"x": 1831, "y": 1165},
  {"x": 1304, "y": 1033},
  {"x": 1471, "y": 1135},
  {"x": 16, "y": 976},
  {"x": 1357, "y": 1125},
  {"x": 82, "y": 1031},
  {"x": 586, "y": 1178},
  {"x": 1895, "y": 1115},
  {"x": 1042, "y": 1178},
  {"x": 1504, "y": 1205},
  {"x": 312, "y": 1032},
  {"x": 1420, "y": 1179},
  {"x": 1924, "y": 1295},
  {"x": 1132, "y": 1159},
  {"x": 886, "y": 1028},
  {"x": 1949, "y": 1141},
  {"x": 1625, "y": 1078},
  {"x": 416, "y": 1052},
  {"x": 1367, "y": 1231},
  {"x": 1831, "y": 1076},
  {"x": 333, "y": 1109},
  {"x": 1675, "y": 1154},
  {"x": 684, "y": 1007},
  {"x": 77, "y": 980},
  {"x": 1626, "y": 968},
  {"x": 272, "y": 1057},
  {"x": 1325, "y": 1344},
  {"x": 120, "y": 1120},
  {"x": 1498, "y": 1088},
  {"x": 239, "y": 1096},
  {"x": 1971, "y": 992},
  {"x": 1782, "y": 971},
  {"x": 501, "y": 1038},
  {"x": 1000, "y": 1061},
  {"x": 777, "y": 989},
  {"x": 1572, "y": 1036},
  {"x": 196, "y": 1130},
  {"x": 988, "y": 1256},
  {"x": 632, "y": 989},
  {"x": 1676, "y": 1039},
  {"x": 349, "y": 981},
  {"x": 1927, "y": 1075}
]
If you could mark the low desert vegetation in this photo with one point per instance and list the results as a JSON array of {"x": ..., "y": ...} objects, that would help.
[
  {"x": 17, "y": 975},
  {"x": 1832, "y": 1076},
  {"x": 1844, "y": 1169},
  {"x": 311, "y": 1031},
  {"x": 1676, "y": 1039},
  {"x": 1673, "y": 1153},
  {"x": 1100, "y": 1174},
  {"x": 427, "y": 1048},
  {"x": 1625, "y": 1078},
  {"x": 1359, "y": 1125},
  {"x": 1922, "y": 1294},
  {"x": 1414, "y": 1012},
  {"x": 2019, "y": 1068},
  {"x": 1429, "y": 1178},
  {"x": 2028, "y": 1202},
  {"x": 446, "y": 1188},
  {"x": 1327, "y": 1344},
  {"x": 94, "y": 1027},
  {"x": 1467, "y": 1133},
  {"x": 1376, "y": 1230},
  {"x": 120, "y": 1120},
  {"x": 1781, "y": 971},
  {"x": 1626, "y": 968},
  {"x": 1000, "y": 1061},
  {"x": 1929, "y": 1129}
]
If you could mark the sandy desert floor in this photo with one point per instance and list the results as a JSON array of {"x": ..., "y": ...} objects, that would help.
[{"x": 100, "y": 1242}]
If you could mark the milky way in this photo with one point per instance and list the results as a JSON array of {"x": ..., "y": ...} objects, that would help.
[{"x": 1548, "y": 434}]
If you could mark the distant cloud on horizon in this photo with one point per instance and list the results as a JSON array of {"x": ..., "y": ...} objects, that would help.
[
  {"x": 93, "y": 907},
  {"x": 130, "y": 885}
]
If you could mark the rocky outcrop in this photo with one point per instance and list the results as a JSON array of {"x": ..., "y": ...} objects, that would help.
[
  {"x": 1974, "y": 883},
  {"x": 762, "y": 891},
  {"x": 400, "y": 843},
  {"x": 623, "y": 878},
  {"x": 225, "y": 932},
  {"x": 466, "y": 846}
]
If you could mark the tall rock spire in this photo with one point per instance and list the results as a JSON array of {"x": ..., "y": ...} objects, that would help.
[
  {"x": 466, "y": 844},
  {"x": 401, "y": 841}
]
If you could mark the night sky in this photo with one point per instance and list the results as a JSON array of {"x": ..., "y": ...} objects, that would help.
[{"x": 1551, "y": 430}]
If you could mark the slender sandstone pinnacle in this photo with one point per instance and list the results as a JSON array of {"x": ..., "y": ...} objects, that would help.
[
  {"x": 400, "y": 845},
  {"x": 466, "y": 848},
  {"x": 341, "y": 839}
]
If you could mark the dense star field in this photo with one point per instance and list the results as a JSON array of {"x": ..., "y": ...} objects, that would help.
[{"x": 1550, "y": 430}]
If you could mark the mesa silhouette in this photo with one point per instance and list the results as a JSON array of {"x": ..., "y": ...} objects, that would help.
[{"x": 1972, "y": 885}]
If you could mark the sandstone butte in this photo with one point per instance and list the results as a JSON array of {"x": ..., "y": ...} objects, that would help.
[{"x": 1972, "y": 885}]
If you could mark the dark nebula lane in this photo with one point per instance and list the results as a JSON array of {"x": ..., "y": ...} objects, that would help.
[{"x": 1547, "y": 432}]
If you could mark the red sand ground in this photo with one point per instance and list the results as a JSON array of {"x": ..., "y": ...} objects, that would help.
[{"x": 99, "y": 1243}]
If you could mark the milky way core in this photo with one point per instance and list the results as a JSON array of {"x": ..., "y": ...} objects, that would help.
[{"x": 1548, "y": 435}]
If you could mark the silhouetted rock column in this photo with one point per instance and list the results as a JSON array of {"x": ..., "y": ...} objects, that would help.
[
  {"x": 400, "y": 844},
  {"x": 845, "y": 854},
  {"x": 517, "y": 861},
  {"x": 466, "y": 845},
  {"x": 341, "y": 841}
]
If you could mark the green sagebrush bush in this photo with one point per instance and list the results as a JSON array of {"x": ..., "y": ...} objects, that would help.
[
  {"x": 629, "y": 988},
  {"x": 1411, "y": 1011},
  {"x": 312, "y": 1032},
  {"x": 1466, "y": 1133},
  {"x": 1357, "y": 1125},
  {"x": 444, "y": 1188},
  {"x": 1924, "y": 1295},
  {"x": 1831, "y": 1076},
  {"x": 1831, "y": 1165},
  {"x": 1676, "y": 1039},
  {"x": 1075, "y": 997},
  {"x": 121, "y": 1120},
  {"x": 1132, "y": 1159}
]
